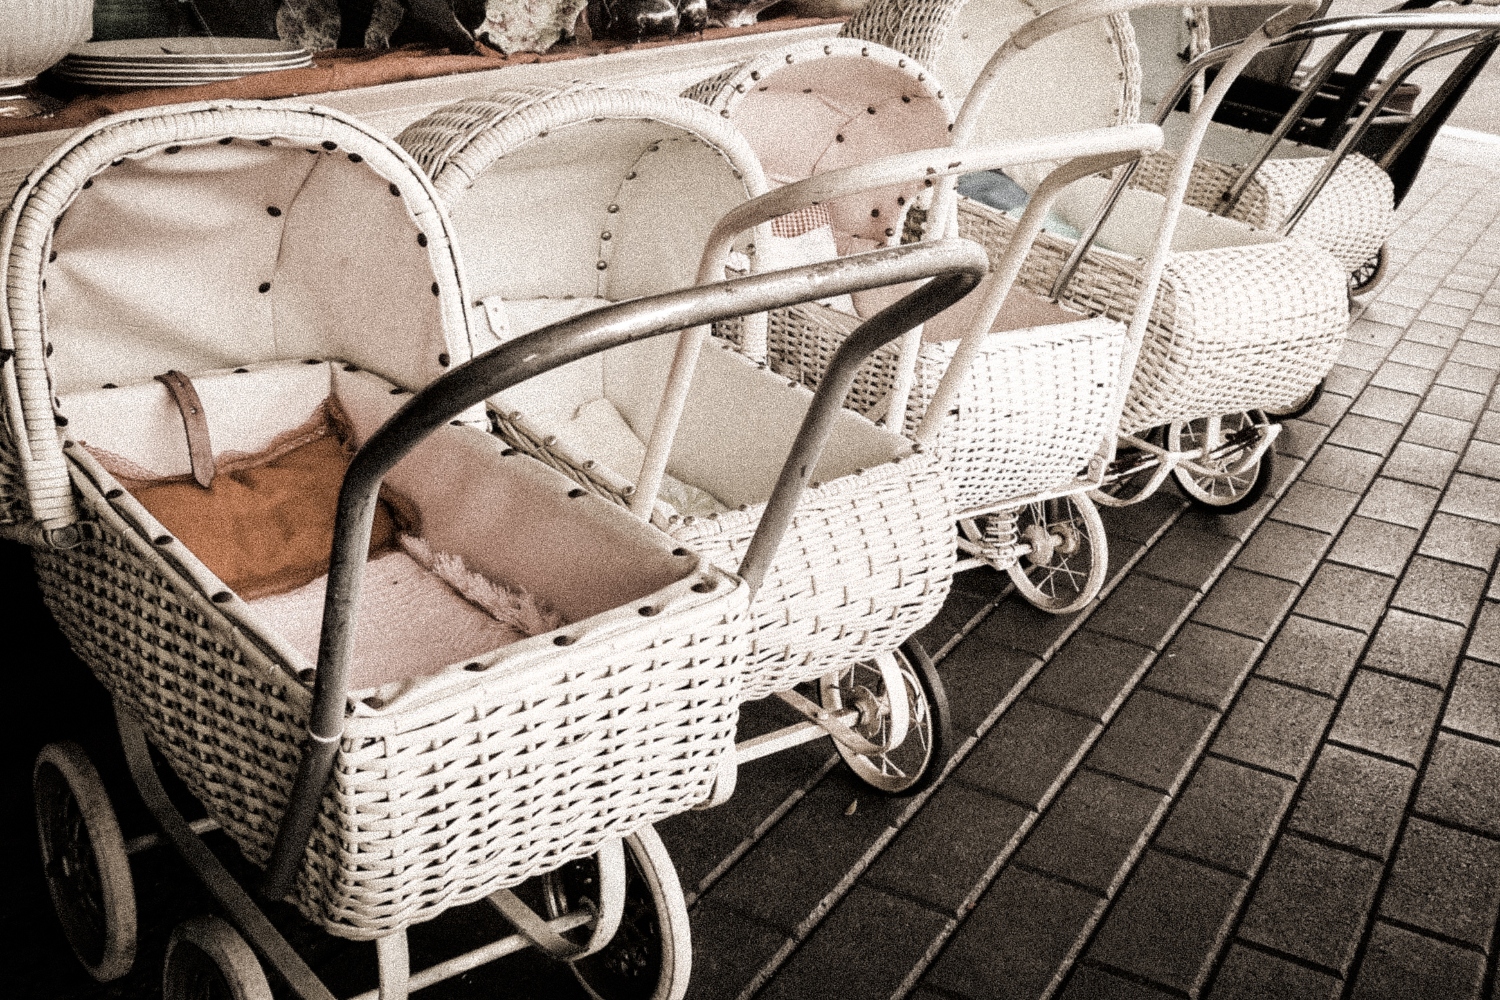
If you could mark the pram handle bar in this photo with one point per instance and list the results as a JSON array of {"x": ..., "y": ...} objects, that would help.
[
  {"x": 955, "y": 266},
  {"x": 1116, "y": 143}
]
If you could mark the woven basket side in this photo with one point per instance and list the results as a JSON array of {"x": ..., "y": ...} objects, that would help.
[
  {"x": 32, "y": 456},
  {"x": 499, "y": 778},
  {"x": 1350, "y": 218},
  {"x": 1231, "y": 329}
]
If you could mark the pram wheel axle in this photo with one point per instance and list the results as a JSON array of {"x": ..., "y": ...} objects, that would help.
[{"x": 903, "y": 708}]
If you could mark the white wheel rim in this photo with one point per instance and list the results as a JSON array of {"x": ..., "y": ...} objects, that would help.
[
  {"x": 1235, "y": 479},
  {"x": 886, "y": 772},
  {"x": 1068, "y": 580}
]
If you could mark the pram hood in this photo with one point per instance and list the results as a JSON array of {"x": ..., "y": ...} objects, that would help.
[
  {"x": 1086, "y": 77},
  {"x": 832, "y": 103},
  {"x": 216, "y": 234},
  {"x": 581, "y": 190}
]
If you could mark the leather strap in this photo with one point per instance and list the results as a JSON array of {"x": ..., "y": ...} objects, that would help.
[{"x": 200, "y": 450}]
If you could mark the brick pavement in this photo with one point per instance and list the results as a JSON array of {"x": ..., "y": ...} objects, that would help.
[{"x": 1265, "y": 764}]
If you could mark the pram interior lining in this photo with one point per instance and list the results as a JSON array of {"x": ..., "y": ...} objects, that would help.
[
  {"x": 207, "y": 255},
  {"x": 506, "y": 518}
]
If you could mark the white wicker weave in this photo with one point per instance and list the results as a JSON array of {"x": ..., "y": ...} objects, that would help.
[
  {"x": 868, "y": 558},
  {"x": 461, "y": 782}
]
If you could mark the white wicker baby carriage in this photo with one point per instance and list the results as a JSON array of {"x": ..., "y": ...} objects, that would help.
[
  {"x": 1239, "y": 321},
  {"x": 509, "y": 702},
  {"x": 868, "y": 559},
  {"x": 1024, "y": 393}
]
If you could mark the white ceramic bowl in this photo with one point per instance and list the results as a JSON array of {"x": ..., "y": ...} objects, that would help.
[{"x": 35, "y": 34}]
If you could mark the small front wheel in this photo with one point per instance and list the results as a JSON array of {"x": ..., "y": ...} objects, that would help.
[
  {"x": 908, "y": 763},
  {"x": 208, "y": 960},
  {"x": 1363, "y": 280},
  {"x": 84, "y": 860},
  {"x": 1066, "y": 556},
  {"x": 650, "y": 956},
  {"x": 1223, "y": 444}
]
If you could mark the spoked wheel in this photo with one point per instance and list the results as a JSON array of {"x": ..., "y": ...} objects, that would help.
[
  {"x": 1297, "y": 407},
  {"x": 208, "y": 960},
  {"x": 650, "y": 956},
  {"x": 1363, "y": 280},
  {"x": 1068, "y": 555},
  {"x": 914, "y": 748},
  {"x": 1130, "y": 475},
  {"x": 1226, "y": 442},
  {"x": 84, "y": 860}
]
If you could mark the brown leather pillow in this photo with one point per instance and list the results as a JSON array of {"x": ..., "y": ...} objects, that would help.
[{"x": 265, "y": 525}]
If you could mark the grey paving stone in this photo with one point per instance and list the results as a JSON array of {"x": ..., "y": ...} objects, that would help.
[
  {"x": 1283, "y": 550},
  {"x": 1387, "y": 715},
  {"x": 1144, "y": 521},
  {"x": 1328, "y": 410},
  {"x": 1313, "y": 654},
  {"x": 1378, "y": 546},
  {"x": 1274, "y": 726},
  {"x": 1399, "y": 503},
  {"x": 1153, "y": 740},
  {"x": 985, "y": 670},
  {"x": 1471, "y": 378},
  {"x": 1441, "y": 589},
  {"x": 1204, "y": 665},
  {"x": 1017, "y": 624},
  {"x": 1312, "y": 902},
  {"x": 1446, "y": 401},
  {"x": 1473, "y": 497},
  {"x": 1433, "y": 431},
  {"x": 960, "y": 607},
  {"x": 1415, "y": 463},
  {"x": 1092, "y": 830},
  {"x": 1346, "y": 596},
  {"x": 1447, "y": 881},
  {"x": 1091, "y": 674},
  {"x": 1409, "y": 352},
  {"x": 1366, "y": 357},
  {"x": 721, "y": 973},
  {"x": 1187, "y": 556},
  {"x": 1248, "y": 603},
  {"x": 1482, "y": 459},
  {"x": 1489, "y": 427},
  {"x": 1484, "y": 641},
  {"x": 1252, "y": 974},
  {"x": 1474, "y": 706},
  {"x": 941, "y": 855},
  {"x": 1432, "y": 333},
  {"x": 1168, "y": 921},
  {"x": 1226, "y": 815},
  {"x": 1424, "y": 649},
  {"x": 1143, "y": 610},
  {"x": 806, "y": 853},
  {"x": 1461, "y": 540},
  {"x": 1027, "y": 752},
  {"x": 1354, "y": 799},
  {"x": 1468, "y": 352},
  {"x": 1455, "y": 297},
  {"x": 1342, "y": 468},
  {"x": 1402, "y": 965},
  {"x": 1300, "y": 438},
  {"x": 1017, "y": 940},
  {"x": 1386, "y": 404},
  {"x": 1462, "y": 783},
  {"x": 1088, "y": 982},
  {"x": 1366, "y": 434},
  {"x": 865, "y": 947},
  {"x": 1402, "y": 378},
  {"x": 1446, "y": 315}
]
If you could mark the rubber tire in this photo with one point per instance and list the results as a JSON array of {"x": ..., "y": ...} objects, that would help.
[
  {"x": 207, "y": 960},
  {"x": 1299, "y": 407},
  {"x": 656, "y": 920},
  {"x": 1187, "y": 485},
  {"x": 1093, "y": 526},
  {"x": 929, "y": 691},
  {"x": 66, "y": 790}
]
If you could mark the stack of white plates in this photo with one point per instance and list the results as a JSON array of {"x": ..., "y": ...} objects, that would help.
[{"x": 134, "y": 63}]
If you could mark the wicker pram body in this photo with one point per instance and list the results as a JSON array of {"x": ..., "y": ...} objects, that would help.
[
  {"x": 1240, "y": 320},
  {"x": 1350, "y": 217},
  {"x": 328, "y": 244},
  {"x": 1035, "y": 402},
  {"x": 867, "y": 559}
]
